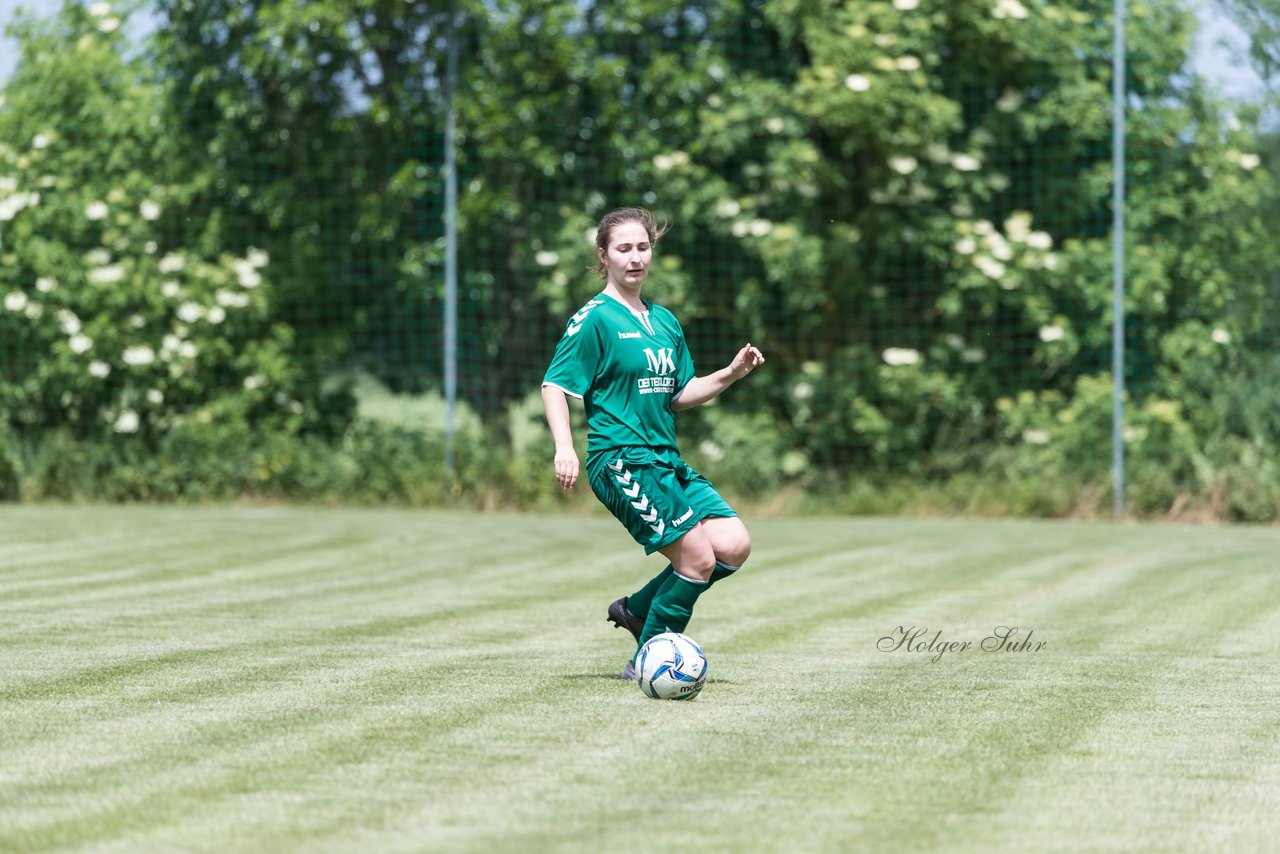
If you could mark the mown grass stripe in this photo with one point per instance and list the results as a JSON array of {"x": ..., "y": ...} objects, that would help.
[{"x": 421, "y": 684}]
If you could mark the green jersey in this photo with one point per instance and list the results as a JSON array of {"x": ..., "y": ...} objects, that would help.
[{"x": 626, "y": 367}]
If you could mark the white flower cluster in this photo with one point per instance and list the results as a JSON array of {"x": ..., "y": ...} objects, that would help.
[
  {"x": 752, "y": 227},
  {"x": 728, "y": 208},
  {"x": 900, "y": 356},
  {"x": 1248, "y": 161},
  {"x": 1009, "y": 9},
  {"x": 247, "y": 268},
  {"x": 106, "y": 21},
  {"x": 992, "y": 250},
  {"x": 231, "y": 299},
  {"x": 1010, "y": 101},
  {"x": 153, "y": 341},
  {"x": 1036, "y": 437},
  {"x": 106, "y": 275},
  {"x": 1052, "y": 332},
  {"x": 901, "y": 63},
  {"x": 667, "y": 162},
  {"x": 857, "y": 82},
  {"x": 175, "y": 348},
  {"x": 138, "y": 355},
  {"x": 13, "y": 202},
  {"x": 970, "y": 355},
  {"x": 903, "y": 165}
]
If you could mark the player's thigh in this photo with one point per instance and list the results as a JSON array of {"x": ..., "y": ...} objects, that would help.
[
  {"x": 646, "y": 497},
  {"x": 729, "y": 539},
  {"x": 728, "y": 535},
  {"x": 692, "y": 555}
]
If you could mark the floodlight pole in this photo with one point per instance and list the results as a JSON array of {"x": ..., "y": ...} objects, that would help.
[
  {"x": 450, "y": 253},
  {"x": 1117, "y": 259}
]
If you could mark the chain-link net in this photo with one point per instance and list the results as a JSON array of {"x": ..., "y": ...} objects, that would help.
[{"x": 224, "y": 250}]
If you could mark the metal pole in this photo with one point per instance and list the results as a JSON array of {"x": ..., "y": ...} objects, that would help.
[
  {"x": 450, "y": 253},
  {"x": 1117, "y": 260}
]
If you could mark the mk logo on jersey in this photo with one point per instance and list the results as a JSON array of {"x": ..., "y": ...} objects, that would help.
[{"x": 661, "y": 362}]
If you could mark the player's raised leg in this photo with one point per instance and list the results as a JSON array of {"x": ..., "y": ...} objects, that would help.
[
  {"x": 693, "y": 561},
  {"x": 731, "y": 546}
]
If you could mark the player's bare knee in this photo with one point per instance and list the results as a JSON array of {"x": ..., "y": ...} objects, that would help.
[
  {"x": 706, "y": 566},
  {"x": 735, "y": 551},
  {"x": 697, "y": 564}
]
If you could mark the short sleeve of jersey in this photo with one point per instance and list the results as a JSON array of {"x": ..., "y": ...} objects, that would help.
[
  {"x": 576, "y": 360},
  {"x": 684, "y": 362}
]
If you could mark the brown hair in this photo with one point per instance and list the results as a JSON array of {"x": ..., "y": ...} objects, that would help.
[{"x": 617, "y": 217}]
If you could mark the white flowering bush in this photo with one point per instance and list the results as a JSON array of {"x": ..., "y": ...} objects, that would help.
[
  {"x": 1055, "y": 437},
  {"x": 111, "y": 323}
]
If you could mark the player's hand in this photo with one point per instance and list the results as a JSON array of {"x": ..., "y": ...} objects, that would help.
[
  {"x": 748, "y": 359},
  {"x": 566, "y": 468}
]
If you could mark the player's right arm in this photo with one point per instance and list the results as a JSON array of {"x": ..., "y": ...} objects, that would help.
[
  {"x": 556, "y": 404},
  {"x": 571, "y": 373}
]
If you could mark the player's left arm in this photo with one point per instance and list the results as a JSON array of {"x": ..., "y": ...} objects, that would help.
[{"x": 701, "y": 389}]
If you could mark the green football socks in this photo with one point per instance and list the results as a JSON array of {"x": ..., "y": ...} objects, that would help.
[
  {"x": 638, "y": 603},
  {"x": 722, "y": 570},
  {"x": 672, "y": 606}
]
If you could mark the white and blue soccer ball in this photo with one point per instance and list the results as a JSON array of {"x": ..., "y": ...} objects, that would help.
[{"x": 670, "y": 666}]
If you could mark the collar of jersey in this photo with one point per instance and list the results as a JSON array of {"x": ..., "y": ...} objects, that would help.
[
  {"x": 627, "y": 307},
  {"x": 641, "y": 316}
]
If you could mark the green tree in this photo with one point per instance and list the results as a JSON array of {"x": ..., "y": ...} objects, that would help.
[
  {"x": 123, "y": 312},
  {"x": 1260, "y": 19},
  {"x": 321, "y": 125},
  {"x": 906, "y": 203}
]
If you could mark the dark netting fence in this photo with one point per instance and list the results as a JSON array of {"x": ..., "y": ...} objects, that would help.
[{"x": 224, "y": 256}]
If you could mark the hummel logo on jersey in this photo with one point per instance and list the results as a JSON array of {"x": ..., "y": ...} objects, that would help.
[
  {"x": 661, "y": 362},
  {"x": 676, "y": 523},
  {"x": 629, "y": 335}
]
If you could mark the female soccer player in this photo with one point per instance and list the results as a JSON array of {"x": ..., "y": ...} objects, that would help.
[{"x": 625, "y": 357}]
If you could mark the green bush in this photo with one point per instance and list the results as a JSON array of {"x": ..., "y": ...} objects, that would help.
[
  {"x": 116, "y": 326},
  {"x": 10, "y": 482}
]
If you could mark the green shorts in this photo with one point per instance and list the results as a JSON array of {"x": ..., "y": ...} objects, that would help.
[{"x": 653, "y": 493}]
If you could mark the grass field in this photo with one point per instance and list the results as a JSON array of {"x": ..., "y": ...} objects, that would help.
[{"x": 263, "y": 679}]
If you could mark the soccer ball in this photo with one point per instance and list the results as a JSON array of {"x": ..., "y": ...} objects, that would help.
[{"x": 670, "y": 666}]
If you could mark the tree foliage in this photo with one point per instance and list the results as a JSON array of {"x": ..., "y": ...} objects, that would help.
[
  {"x": 905, "y": 203},
  {"x": 1260, "y": 19},
  {"x": 124, "y": 310}
]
